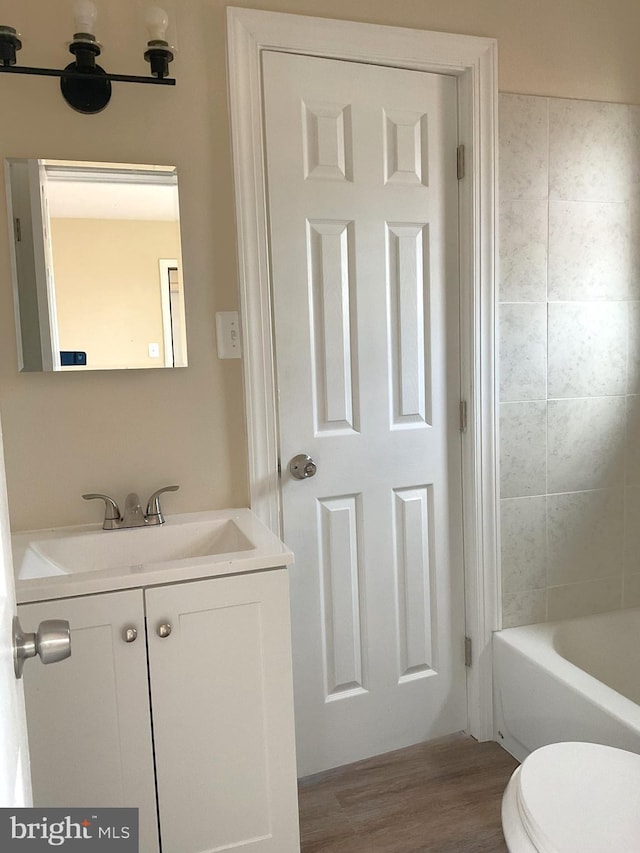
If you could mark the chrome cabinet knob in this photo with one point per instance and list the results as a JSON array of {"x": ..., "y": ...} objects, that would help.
[
  {"x": 52, "y": 642},
  {"x": 164, "y": 630},
  {"x": 129, "y": 635},
  {"x": 302, "y": 467}
]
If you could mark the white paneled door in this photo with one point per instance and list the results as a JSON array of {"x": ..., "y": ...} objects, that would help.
[
  {"x": 363, "y": 211},
  {"x": 15, "y": 780}
]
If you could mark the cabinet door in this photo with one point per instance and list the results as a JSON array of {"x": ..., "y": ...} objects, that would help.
[
  {"x": 223, "y": 714},
  {"x": 88, "y": 716}
]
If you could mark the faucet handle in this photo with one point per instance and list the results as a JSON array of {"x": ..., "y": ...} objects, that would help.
[
  {"x": 112, "y": 515},
  {"x": 153, "y": 504}
]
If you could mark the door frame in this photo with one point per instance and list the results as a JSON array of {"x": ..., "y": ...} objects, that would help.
[
  {"x": 473, "y": 61},
  {"x": 164, "y": 265}
]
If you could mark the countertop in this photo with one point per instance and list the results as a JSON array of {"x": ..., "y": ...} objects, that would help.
[{"x": 40, "y": 578}]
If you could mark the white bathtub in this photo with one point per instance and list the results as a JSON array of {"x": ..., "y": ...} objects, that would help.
[{"x": 574, "y": 680}]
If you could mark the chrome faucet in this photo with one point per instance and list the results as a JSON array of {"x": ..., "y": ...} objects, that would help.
[{"x": 133, "y": 514}]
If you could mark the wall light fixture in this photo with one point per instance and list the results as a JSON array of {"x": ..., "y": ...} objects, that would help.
[{"x": 85, "y": 85}]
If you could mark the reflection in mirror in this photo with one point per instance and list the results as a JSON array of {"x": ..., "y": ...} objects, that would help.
[{"x": 96, "y": 264}]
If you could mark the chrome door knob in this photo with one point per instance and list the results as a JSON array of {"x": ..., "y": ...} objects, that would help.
[
  {"x": 302, "y": 467},
  {"x": 129, "y": 635},
  {"x": 164, "y": 630},
  {"x": 52, "y": 642}
]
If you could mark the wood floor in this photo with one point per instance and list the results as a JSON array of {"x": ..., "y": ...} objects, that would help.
[{"x": 438, "y": 797}]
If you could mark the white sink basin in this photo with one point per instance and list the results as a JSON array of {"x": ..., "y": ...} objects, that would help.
[
  {"x": 113, "y": 549},
  {"x": 76, "y": 560}
]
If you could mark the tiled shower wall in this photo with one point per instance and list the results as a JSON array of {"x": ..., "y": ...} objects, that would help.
[{"x": 569, "y": 357}]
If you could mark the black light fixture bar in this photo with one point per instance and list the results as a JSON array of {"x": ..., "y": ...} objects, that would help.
[
  {"x": 84, "y": 84},
  {"x": 82, "y": 75}
]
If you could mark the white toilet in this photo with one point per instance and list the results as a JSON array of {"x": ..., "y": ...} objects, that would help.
[{"x": 574, "y": 798}]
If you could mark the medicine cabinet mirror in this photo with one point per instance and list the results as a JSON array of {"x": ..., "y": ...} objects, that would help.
[{"x": 97, "y": 266}]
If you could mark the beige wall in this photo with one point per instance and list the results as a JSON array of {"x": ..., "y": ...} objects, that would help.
[
  {"x": 69, "y": 433},
  {"x": 107, "y": 281}
]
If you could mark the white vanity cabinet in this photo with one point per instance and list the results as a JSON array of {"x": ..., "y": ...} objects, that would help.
[
  {"x": 88, "y": 717},
  {"x": 217, "y": 668},
  {"x": 223, "y": 714}
]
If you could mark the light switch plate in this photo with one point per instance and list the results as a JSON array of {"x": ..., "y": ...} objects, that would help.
[{"x": 228, "y": 334}]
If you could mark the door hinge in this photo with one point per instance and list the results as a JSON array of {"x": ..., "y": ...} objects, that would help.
[
  {"x": 468, "y": 657},
  {"x": 18, "y": 231},
  {"x": 460, "y": 162},
  {"x": 279, "y": 468},
  {"x": 463, "y": 415}
]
